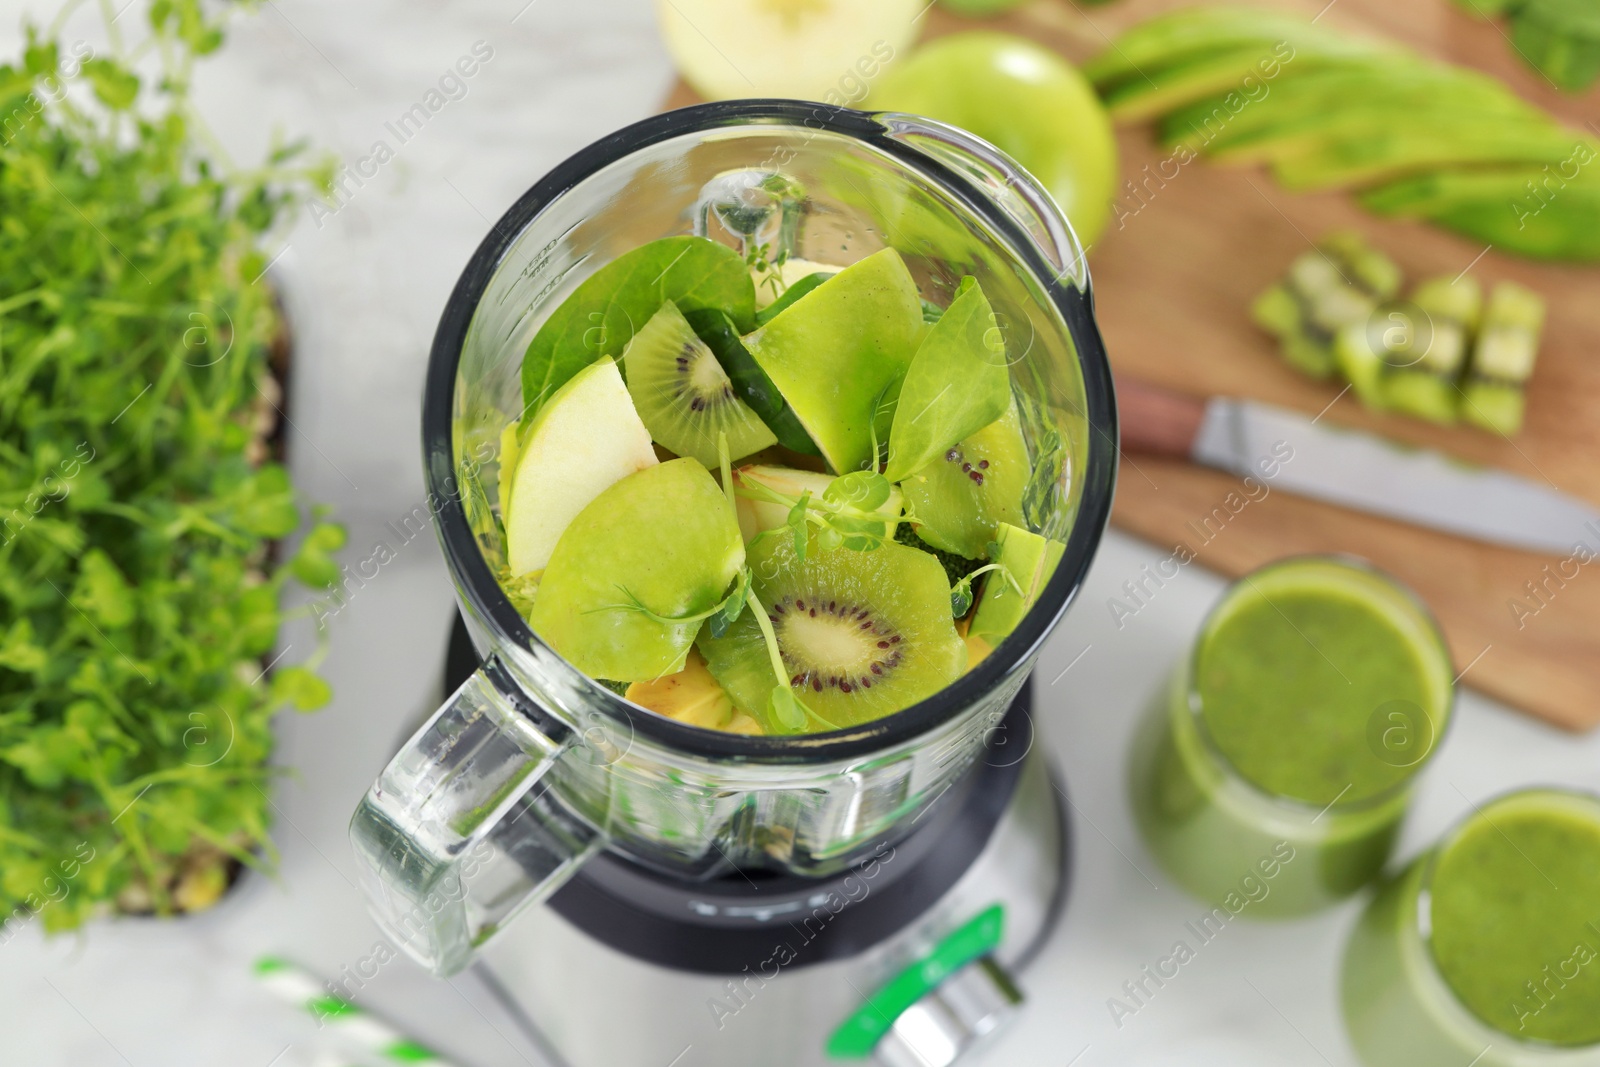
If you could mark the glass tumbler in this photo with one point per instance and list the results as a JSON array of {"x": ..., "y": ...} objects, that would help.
[
  {"x": 1482, "y": 950},
  {"x": 531, "y": 767},
  {"x": 1231, "y": 837}
]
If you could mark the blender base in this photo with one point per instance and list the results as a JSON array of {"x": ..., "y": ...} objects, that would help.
[{"x": 627, "y": 966}]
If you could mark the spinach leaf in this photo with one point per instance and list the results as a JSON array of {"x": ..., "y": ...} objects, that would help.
[
  {"x": 602, "y": 314},
  {"x": 956, "y": 385}
]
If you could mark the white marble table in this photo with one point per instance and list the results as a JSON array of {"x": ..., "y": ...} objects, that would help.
[{"x": 366, "y": 284}]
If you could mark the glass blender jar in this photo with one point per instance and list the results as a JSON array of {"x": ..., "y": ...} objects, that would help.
[{"x": 531, "y": 768}]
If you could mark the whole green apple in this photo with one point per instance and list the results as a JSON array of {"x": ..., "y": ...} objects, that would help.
[{"x": 1025, "y": 100}]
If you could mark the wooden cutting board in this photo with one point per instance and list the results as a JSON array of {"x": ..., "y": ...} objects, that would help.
[{"x": 1173, "y": 285}]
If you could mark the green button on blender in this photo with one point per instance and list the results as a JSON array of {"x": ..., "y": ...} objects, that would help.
[{"x": 858, "y": 1035}]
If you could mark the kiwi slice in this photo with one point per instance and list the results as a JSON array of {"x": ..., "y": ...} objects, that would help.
[
  {"x": 960, "y": 499},
  {"x": 862, "y": 634},
  {"x": 683, "y": 395}
]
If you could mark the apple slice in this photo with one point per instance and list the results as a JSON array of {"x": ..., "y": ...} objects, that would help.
[
  {"x": 586, "y": 438},
  {"x": 635, "y": 574},
  {"x": 1031, "y": 561},
  {"x": 838, "y": 355}
]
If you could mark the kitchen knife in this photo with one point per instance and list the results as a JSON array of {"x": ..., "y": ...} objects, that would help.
[{"x": 1354, "y": 469}]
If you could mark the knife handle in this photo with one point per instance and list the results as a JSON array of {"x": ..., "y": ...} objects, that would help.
[{"x": 1157, "y": 421}]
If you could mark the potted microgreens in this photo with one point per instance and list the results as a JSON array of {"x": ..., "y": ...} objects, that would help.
[{"x": 141, "y": 504}]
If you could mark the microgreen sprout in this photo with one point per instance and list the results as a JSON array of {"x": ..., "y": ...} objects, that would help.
[
  {"x": 961, "y": 592},
  {"x": 848, "y": 513}
]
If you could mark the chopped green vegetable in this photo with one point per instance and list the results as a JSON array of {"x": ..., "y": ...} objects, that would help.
[
  {"x": 1502, "y": 361},
  {"x": 1336, "y": 312},
  {"x": 1426, "y": 365},
  {"x": 1558, "y": 38},
  {"x": 1334, "y": 288},
  {"x": 138, "y": 590},
  {"x": 1026, "y": 563},
  {"x": 1326, "y": 110}
]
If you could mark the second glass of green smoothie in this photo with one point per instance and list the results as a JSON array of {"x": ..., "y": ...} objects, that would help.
[
  {"x": 1486, "y": 949},
  {"x": 1272, "y": 776}
]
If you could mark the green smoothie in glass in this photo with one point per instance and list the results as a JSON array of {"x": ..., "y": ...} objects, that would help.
[
  {"x": 1289, "y": 738},
  {"x": 1486, "y": 949}
]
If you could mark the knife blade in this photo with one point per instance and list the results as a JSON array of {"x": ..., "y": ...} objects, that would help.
[{"x": 1355, "y": 469}]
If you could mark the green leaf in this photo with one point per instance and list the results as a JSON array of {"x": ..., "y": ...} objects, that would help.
[
  {"x": 102, "y": 592},
  {"x": 786, "y": 708},
  {"x": 266, "y": 504},
  {"x": 862, "y": 490},
  {"x": 115, "y": 87},
  {"x": 602, "y": 314},
  {"x": 326, "y": 537},
  {"x": 956, "y": 385},
  {"x": 1561, "y": 38},
  {"x": 89, "y": 490},
  {"x": 961, "y": 591},
  {"x": 732, "y": 607},
  {"x": 40, "y": 58},
  {"x": 45, "y": 758},
  {"x": 314, "y": 564},
  {"x": 19, "y": 653},
  {"x": 257, "y": 618},
  {"x": 300, "y": 687},
  {"x": 798, "y": 525}
]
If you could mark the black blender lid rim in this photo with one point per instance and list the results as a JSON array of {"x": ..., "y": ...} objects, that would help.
[{"x": 477, "y": 583}]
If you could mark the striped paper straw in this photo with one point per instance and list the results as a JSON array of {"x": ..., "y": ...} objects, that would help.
[{"x": 297, "y": 986}]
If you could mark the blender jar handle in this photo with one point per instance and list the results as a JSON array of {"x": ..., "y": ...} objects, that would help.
[
  {"x": 1014, "y": 190},
  {"x": 453, "y": 838}
]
